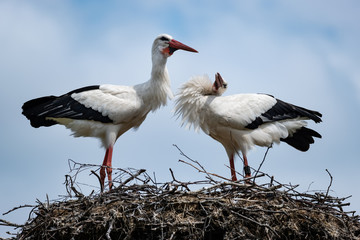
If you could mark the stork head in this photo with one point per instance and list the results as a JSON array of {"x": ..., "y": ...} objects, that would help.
[
  {"x": 166, "y": 45},
  {"x": 219, "y": 86}
]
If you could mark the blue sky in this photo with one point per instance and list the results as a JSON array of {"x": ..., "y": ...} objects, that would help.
[{"x": 303, "y": 53}]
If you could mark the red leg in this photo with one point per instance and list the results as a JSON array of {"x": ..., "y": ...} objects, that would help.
[
  {"x": 106, "y": 165},
  {"x": 232, "y": 168},
  {"x": 109, "y": 168}
]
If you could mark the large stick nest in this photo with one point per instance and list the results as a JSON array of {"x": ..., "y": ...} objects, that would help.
[{"x": 140, "y": 208}]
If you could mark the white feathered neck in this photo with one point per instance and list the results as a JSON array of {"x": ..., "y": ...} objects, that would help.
[
  {"x": 191, "y": 98},
  {"x": 157, "y": 90}
]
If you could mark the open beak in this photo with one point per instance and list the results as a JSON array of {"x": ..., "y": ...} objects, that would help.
[
  {"x": 219, "y": 81},
  {"x": 175, "y": 45}
]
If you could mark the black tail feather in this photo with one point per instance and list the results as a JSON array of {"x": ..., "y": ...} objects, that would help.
[
  {"x": 32, "y": 110},
  {"x": 302, "y": 139}
]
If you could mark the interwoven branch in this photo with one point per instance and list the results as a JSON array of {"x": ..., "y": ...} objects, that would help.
[{"x": 139, "y": 207}]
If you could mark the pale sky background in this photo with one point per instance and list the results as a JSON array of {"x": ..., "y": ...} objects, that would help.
[{"x": 305, "y": 53}]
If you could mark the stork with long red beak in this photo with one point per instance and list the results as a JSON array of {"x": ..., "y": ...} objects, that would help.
[
  {"x": 239, "y": 122},
  {"x": 108, "y": 111}
]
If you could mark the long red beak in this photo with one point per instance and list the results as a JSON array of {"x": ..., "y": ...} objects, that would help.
[
  {"x": 219, "y": 81},
  {"x": 175, "y": 45}
]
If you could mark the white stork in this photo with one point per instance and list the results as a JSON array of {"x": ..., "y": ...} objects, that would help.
[
  {"x": 241, "y": 121},
  {"x": 108, "y": 111}
]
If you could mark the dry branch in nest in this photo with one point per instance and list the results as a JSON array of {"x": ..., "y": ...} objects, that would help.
[{"x": 141, "y": 208}]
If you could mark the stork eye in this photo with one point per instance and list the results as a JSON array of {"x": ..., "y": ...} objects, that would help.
[{"x": 164, "y": 39}]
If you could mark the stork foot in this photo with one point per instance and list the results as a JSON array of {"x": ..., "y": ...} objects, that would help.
[
  {"x": 106, "y": 165},
  {"x": 103, "y": 174},
  {"x": 109, "y": 173},
  {"x": 233, "y": 178},
  {"x": 247, "y": 174},
  {"x": 102, "y": 177}
]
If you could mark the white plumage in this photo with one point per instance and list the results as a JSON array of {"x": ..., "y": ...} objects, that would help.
[
  {"x": 108, "y": 111},
  {"x": 239, "y": 122}
]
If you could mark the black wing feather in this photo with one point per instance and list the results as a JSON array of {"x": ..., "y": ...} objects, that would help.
[
  {"x": 282, "y": 111},
  {"x": 40, "y": 109}
]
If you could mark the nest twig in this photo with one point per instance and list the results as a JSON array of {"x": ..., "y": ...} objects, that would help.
[{"x": 141, "y": 208}]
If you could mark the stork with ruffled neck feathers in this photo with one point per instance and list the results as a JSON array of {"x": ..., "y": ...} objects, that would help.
[{"x": 241, "y": 121}]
